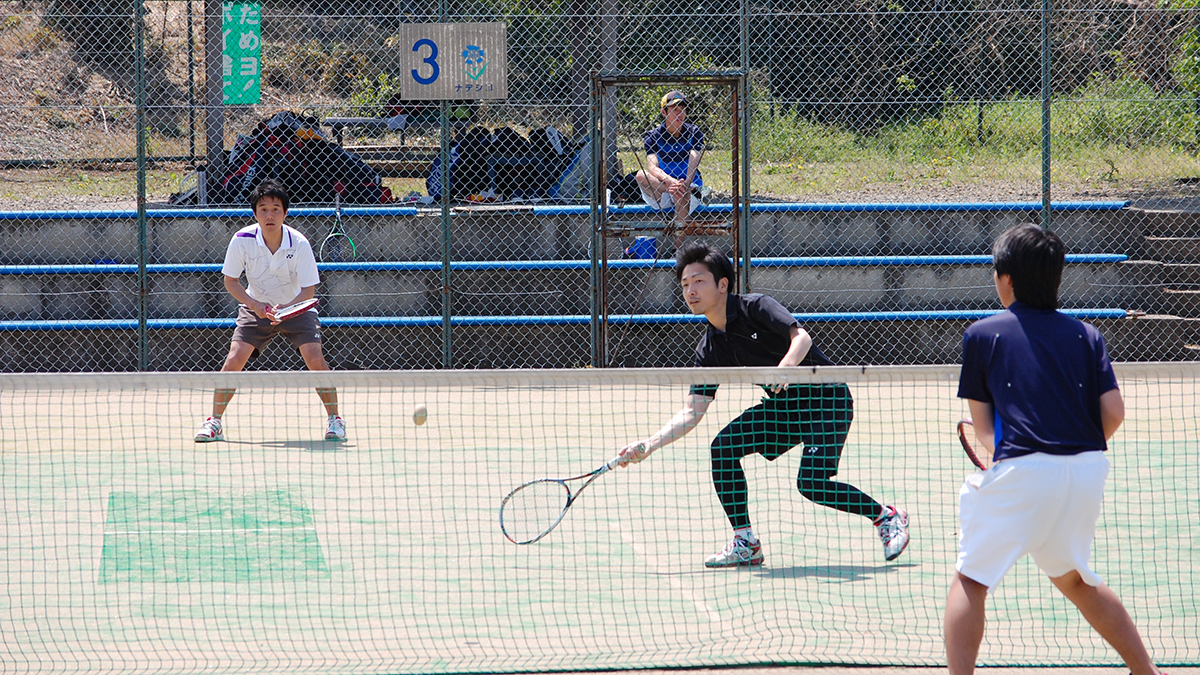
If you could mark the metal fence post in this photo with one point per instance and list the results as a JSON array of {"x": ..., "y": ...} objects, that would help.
[
  {"x": 1046, "y": 96},
  {"x": 214, "y": 93},
  {"x": 140, "y": 130}
]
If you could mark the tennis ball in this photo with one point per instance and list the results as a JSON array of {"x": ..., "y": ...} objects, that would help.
[{"x": 420, "y": 414}]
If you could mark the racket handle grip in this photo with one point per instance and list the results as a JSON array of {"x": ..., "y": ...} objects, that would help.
[{"x": 616, "y": 461}]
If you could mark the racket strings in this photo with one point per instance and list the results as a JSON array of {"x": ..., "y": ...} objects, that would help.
[{"x": 533, "y": 509}]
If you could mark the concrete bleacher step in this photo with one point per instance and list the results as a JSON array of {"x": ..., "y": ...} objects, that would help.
[
  {"x": 1156, "y": 337},
  {"x": 1184, "y": 275},
  {"x": 1174, "y": 249},
  {"x": 1181, "y": 302},
  {"x": 1167, "y": 223}
]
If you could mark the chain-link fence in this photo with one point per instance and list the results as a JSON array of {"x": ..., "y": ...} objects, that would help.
[{"x": 885, "y": 145}]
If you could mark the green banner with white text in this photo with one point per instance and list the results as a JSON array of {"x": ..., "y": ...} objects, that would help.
[{"x": 241, "y": 33}]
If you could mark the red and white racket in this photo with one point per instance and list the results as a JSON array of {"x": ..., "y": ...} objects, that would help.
[
  {"x": 978, "y": 454},
  {"x": 285, "y": 313}
]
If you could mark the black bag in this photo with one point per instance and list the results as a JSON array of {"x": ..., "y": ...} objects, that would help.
[
  {"x": 514, "y": 168},
  {"x": 625, "y": 189},
  {"x": 320, "y": 169},
  {"x": 548, "y": 145},
  {"x": 291, "y": 149},
  {"x": 470, "y": 172}
]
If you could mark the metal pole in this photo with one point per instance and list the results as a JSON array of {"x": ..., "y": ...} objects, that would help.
[
  {"x": 1046, "y": 114},
  {"x": 214, "y": 89},
  {"x": 603, "y": 130},
  {"x": 608, "y": 63},
  {"x": 447, "y": 306},
  {"x": 447, "y": 280},
  {"x": 599, "y": 254},
  {"x": 191, "y": 59},
  {"x": 979, "y": 91},
  {"x": 140, "y": 107},
  {"x": 735, "y": 168},
  {"x": 771, "y": 55},
  {"x": 743, "y": 121}
]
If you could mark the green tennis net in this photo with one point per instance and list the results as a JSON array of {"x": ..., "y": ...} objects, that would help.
[{"x": 129, "y": 547}]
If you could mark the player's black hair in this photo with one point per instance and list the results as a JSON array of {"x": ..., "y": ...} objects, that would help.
[
  {"x": 269, "y": 188},
  {"x": 713, "y": 259},
  {"x": 1034, "y": 259}
]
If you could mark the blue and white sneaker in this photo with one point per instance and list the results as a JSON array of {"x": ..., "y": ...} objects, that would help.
[
  {"x": 736, "y": 553},
  {"x": 893, "y": 530}
]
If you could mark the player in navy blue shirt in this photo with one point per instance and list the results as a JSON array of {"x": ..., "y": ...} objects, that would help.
[
  {"x": 755, "y": 330},
  {"x": 1043, "y": 396},
  {"x": 673, "y": 152}
]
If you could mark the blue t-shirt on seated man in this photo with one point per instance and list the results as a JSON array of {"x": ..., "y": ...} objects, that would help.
[{"x": 673, "y": 152}]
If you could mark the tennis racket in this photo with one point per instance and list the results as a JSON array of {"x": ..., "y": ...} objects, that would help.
[
  {"x": 338, "y": 246},
  {"x": 296, "y": 309},
  {"x": 978, "y": 455},
  {"x": 531, "y": 511}
]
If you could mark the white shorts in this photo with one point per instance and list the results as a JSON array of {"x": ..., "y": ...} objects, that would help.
[
  {"x": 667, "y": 201},
  {"x": 1040, "y": 504}
]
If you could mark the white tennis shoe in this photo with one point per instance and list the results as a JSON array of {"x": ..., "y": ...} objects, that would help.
[
  {"x": 336, "y": 430},
  {"x": 893, "y": 530},
  {"x": 210, "y": 430},
  {"x": 737, "y": 552}
]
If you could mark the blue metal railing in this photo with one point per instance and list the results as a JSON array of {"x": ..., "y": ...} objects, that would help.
[{"x": 538, "y": 265}]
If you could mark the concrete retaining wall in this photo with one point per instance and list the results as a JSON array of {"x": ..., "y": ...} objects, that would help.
[
  {"x": 518, "y": 234},
  {"x": 553, "y": 292},
  {"x": 490, "y": 234}
]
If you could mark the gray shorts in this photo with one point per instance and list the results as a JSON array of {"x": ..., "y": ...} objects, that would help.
[{"x": 257, "y": 332}]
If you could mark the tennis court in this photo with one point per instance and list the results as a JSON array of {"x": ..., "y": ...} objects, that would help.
[{"x": 131, "y": 547}]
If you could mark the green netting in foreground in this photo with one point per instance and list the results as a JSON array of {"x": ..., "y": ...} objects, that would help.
[{"x": 128, "y": 547}]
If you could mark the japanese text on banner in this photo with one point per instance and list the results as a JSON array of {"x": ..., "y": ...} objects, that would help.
[{"x": 241, "y": 36}]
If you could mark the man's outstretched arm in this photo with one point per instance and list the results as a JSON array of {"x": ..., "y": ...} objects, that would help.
[{"x": 683, "y": 422}]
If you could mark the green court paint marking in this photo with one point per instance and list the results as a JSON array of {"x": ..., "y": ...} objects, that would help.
[{"x": 191, "y": 535}]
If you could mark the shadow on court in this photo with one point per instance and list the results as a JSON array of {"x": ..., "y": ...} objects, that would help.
[
  {"x": 307, "y": 446},
  {"x": 840, "y": 572}
]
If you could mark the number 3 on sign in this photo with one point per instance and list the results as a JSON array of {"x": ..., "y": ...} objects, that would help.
[{"x": 430, "y": 59}]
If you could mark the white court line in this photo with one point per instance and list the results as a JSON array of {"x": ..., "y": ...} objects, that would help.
[
  {"x": 699, "y": 604},
  {"x": 240, "y": 529}
]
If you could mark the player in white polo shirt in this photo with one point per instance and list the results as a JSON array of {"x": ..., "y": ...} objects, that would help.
[{"x": 280, "y": 270}]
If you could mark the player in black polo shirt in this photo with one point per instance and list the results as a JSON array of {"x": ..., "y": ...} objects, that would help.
[{"x": 755, "y": 330}]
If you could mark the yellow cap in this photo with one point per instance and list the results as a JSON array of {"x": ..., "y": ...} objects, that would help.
[{"x": 674, "y": 98}]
